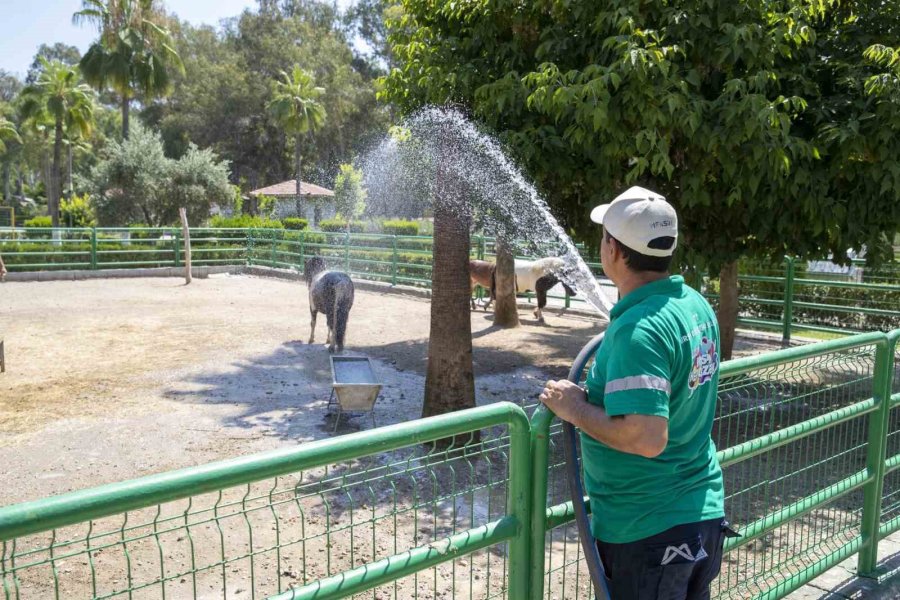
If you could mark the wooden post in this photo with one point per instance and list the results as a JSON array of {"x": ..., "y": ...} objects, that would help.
[
  {"x": 2, "y": 269},
  {"x": 187, "y": 245}
]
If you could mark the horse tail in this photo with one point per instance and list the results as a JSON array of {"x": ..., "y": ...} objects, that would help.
[{"x": 343, "y": 301}]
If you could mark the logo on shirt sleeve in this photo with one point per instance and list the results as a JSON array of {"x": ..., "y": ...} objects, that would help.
[{"x": 705, "y": 363}]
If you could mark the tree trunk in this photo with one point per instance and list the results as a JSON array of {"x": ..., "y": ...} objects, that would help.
[
  {"x": 297, "y": 190},
  {"x": 728, "y": 308},
  {"x": 6, "y": 181},
  {"x": 71, "y": 188},
  {"x": 126, "y": 109},
  {"x": 506, "y": 314},
  {"x": 55, "y": 176},
  {"x": 449, "y": 379}
]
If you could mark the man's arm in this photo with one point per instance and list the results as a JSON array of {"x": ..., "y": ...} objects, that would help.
[{"x": 644, "y": 435}]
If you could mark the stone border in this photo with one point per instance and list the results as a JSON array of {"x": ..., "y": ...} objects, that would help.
[
  {"x": 204, "y": 271},
  {"x": 201, "y": 272}
]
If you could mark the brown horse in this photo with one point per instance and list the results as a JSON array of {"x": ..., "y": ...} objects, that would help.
[{"x": 483, "y": 273}]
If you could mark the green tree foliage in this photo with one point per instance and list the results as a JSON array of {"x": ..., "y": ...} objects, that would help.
[
  {"x": 349, "y": 192},
  {"x": 220, "y": 101},
  {"x": 7, "y": 132},
  {"x": 134, "y": 55},
  {"x": 77, "y": 212},
  {"x": 69, "y": 55},
  {"x": 59, "y": 101},
  {"x": 10, "y": 86},
  {"x": 295, "y": 106},
  {"x": 761, "y": 121},
  {"x": 136, "y": 182}
]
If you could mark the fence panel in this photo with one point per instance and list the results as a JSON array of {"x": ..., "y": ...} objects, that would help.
[
  {"x": 439, "y": 520},
  {"x": 792, "y": 429}
]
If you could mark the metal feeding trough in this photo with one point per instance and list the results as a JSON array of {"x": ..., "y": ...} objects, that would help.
[{"x": 354, "y": 383}]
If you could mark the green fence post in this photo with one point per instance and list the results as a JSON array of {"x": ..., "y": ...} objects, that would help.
[
  {"x": 347, "y": 252},
  {"x": 540, "y": 452},
  {"x": 394, "y": 263},
  {"x": 249, "y": 246},
  {"x": 176, "y": 246},
  {"x": 875, "y": 459},
  {"x": 788, "y": 312},
  {"x": 302, "y": 256},
  {"x": 272, "y": 253},
  {"x": 519, "y": 505},
  {"x": 93, "y": 248}
]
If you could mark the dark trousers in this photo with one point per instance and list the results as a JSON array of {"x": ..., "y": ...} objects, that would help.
[{"x": 677, "y": 564}]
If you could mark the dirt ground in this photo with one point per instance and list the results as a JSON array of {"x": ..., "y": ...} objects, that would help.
[{"x": 113, "y": 379}]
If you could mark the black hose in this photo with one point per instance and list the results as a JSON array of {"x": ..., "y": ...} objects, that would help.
[{"x": 576, "y": 487}]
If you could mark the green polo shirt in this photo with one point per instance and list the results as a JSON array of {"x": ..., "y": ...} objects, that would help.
[{"x": 659, "y": 357}]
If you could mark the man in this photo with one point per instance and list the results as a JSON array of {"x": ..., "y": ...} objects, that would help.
[{"x": 646, "y": 413}]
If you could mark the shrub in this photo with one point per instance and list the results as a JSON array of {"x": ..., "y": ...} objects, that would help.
[
  {"x": 39, "y": 222},
  {"x": 140, "y": 231},
  {"x": 77, "y": 212},
  {"x": 337, "y": 225},
  {"x": 245, "y": 221},
  {"x": 400, "y": 227},
  {"x": 295, "y": 223}
]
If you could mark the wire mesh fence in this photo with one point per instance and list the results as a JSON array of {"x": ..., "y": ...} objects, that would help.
[
  {"x": 808, "y": 458},
  {"x": 259, "y": 538},
  {"x": 788, "y": 296},
  {"x": 793, "y": 438}
]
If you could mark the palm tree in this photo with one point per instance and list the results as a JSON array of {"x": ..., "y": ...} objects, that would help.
[
  {"x": 296, "y": 107},
  {"x": 58, "y": 99},
  {"x": 7, "y": 132},
  {"x": 134, "y": 54}
]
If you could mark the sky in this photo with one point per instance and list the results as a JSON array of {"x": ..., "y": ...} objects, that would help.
[{"x": 29, "y": 23}]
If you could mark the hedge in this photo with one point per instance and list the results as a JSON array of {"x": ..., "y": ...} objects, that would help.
[
  {"x": 295, "y": 223},
  {"x": 245, "y": 221},
  {"x": 335, "y": 225},
  {"x": 400, "y": 227}
]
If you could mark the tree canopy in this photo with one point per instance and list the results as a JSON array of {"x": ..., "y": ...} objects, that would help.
[
  {"x": 137, "y": 183},
  {"x": 760, "y": 120}
]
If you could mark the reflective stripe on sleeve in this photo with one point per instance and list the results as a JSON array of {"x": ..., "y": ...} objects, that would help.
[{"x": 638, "y": 382}]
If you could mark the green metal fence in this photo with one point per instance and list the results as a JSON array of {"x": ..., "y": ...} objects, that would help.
[
  {"x": 798, "y": 295},
  {"x": 809, "y": 440},
  {"x": 788, "y": 297},
  {"x": 372, "y": 510}
]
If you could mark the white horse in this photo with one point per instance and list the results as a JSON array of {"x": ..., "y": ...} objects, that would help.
[{"x": 539, "y": 276}]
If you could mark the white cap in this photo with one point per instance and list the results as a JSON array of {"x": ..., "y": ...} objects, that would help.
[{"x": 638, "y": 216}]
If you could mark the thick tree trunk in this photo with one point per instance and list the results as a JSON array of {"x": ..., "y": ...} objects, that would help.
[
  {"x": 55, "y": 176},
  {"x": 506, "y": 314},
  {"x": 449, "y": 380},
  {"x": 126, "y": 109},
  {"x": 728, "y": 308}
]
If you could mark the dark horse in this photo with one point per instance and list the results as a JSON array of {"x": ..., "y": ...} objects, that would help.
[{"x": 330, "y": 292}]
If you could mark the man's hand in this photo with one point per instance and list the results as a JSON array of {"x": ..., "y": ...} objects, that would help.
[{"x": 564, "y": 398}]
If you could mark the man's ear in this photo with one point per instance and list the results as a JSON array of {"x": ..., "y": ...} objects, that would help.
[{"x": 614, "y": 249}]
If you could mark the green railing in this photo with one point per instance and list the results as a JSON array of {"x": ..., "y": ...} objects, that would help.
[
  {"x": 328, "y": 519},
  {"x": 809, "y": 442},
  {"x": 786, "y": 297}
]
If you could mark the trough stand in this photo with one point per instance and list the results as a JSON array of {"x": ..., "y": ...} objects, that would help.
[{"x": 354, "y": 386}]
